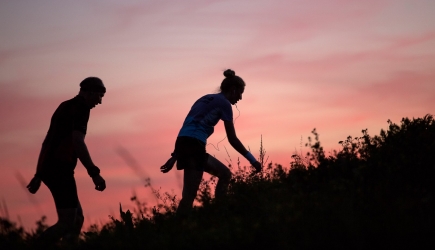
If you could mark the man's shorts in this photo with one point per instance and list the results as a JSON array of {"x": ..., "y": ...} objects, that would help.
[
  {"x": 64, "y": 190},
  {"x": 191, "y": 153}
]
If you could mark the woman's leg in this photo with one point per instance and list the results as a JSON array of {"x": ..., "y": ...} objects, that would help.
[
  {"x": 191, "y": 180},
  {"x": 218, "y": 169}
]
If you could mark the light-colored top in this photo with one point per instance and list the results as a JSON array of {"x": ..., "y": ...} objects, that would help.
[{"x": 204, "y": 115}]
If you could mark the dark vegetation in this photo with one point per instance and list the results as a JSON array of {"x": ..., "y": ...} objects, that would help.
[{"x": 377, "y": 191}]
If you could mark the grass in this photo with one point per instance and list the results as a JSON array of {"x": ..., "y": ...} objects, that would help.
[{"x": 377, "y": 191}]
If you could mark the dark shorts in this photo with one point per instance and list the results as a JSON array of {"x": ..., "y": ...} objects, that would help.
[
  {"x": 190, "y": 153},
  {"x": 64, "y": 190}
]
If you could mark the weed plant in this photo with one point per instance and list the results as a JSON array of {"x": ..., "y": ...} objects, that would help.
[{"x": 376, "y": 191}]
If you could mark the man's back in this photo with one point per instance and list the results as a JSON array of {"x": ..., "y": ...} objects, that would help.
[{"x": 59, "y": 154}]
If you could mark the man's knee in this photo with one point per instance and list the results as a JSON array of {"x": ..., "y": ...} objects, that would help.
[
  {"x": 67, "y": 217},
  {"x": 79, "y": 220}
]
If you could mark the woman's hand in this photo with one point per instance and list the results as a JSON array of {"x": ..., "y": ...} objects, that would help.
[
  {"x": 257, "y": 166},
  {"x": 168, "y": 165}
]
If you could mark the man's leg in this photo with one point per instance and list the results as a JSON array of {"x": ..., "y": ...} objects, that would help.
[
  {"x": 72, "y": 237},
  {"x": 218, "y": 169},
  {"x": 191, "y": 180},
  {"x": 66, "y": 218},
  {"x": 64, "y": 191}
]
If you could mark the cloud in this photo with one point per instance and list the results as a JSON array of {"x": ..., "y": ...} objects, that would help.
[
  {"x": 331, "y": 65},
  {"x": 23, "y": 110}
]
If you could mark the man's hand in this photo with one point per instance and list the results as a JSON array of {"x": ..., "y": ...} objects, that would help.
[
  {"x": 257, "y": 166},
  {"x": 168, "y": 165},
  {"x": 100, "y": 183},
  {"x": 34, "y": 185}
]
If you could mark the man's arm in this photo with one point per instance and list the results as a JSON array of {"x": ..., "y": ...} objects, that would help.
[
  {"x": 35, "y": 183},
  {"x": 82, "y": 150},
  {"x": 238, "y": 146},
  {"x": 85, "y": 158},
  {"x": 39, "y": 166}
]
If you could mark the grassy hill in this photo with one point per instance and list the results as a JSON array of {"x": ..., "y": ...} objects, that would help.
[{"x": 377, "y": 191}]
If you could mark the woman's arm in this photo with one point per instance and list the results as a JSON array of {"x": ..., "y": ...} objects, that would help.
[
  {"x": 238, "y": 146},
  {"x": 232, "y": 138}
]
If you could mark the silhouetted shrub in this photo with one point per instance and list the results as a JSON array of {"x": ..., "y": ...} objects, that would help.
[{"x": 376, "y": 191}]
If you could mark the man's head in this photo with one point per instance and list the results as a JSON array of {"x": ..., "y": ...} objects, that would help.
[{"x": 93, "y": 90}]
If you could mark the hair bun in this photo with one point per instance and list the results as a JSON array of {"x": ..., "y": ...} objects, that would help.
[{"x": 229, "y": 73}]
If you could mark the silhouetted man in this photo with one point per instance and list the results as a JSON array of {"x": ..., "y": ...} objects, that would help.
[{"x": 64, "y": 143}]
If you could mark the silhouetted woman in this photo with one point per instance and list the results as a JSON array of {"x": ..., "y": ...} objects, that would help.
[{"x": 190, "y": 152}]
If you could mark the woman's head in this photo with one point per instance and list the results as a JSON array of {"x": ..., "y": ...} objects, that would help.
[
  {"x": 231, "y": 81},
  {"x": 232, "y": 86}
]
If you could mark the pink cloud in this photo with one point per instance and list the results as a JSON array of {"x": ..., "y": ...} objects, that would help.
[
  {"x": 23, "y": 111},
  {"x": 409, "y": 41},
  {"x": 395, "y": 93},
  {"x": 156, "y": 14}
]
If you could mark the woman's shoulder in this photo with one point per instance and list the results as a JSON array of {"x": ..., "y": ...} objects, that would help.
[
  {"x": 221, "y": 98},
  {"x": 214, "y": 100}
]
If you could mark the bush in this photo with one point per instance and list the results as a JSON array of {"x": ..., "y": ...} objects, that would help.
[{"x": 374, "y": 192}]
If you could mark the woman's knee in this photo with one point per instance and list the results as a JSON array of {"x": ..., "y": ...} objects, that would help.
[
  {"x": 226, "y": 175},
  {"x": 217, "y": 168}
]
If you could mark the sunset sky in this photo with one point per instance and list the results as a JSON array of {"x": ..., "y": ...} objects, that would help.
[{"x": 339, "y": 66}]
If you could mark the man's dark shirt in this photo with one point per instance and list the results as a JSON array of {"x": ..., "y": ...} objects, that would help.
[{"x": 58, "y": 154}]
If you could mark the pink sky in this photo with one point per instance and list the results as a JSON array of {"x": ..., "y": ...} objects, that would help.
[{"x": 337, "y": 66}]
